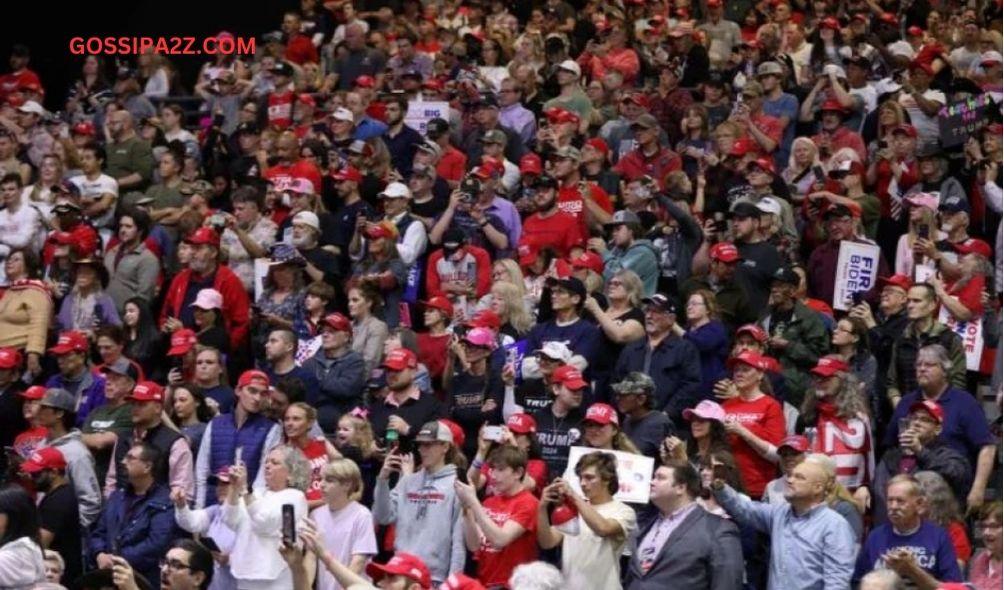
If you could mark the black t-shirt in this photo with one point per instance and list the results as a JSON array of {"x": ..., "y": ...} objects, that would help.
[
  {"x": 58, "y": 514},
  {"x": 649, "y": 432},
  {"x": 756, "y": 271},
  {"x": 610, "y": 350},
  {"x": 466, "y": 396},
  {"x": 556, "y": 435},
  {"x": 533, "y": 395},
  {"x": 432, "y": 208}
]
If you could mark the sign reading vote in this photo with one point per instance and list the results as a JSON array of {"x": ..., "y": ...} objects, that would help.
[
  {"x": 857, "y": 271},
  {"x": 634, "y": 472},
  {"x": 970, "y": 332},
  {"x": 959, "y": 121}
]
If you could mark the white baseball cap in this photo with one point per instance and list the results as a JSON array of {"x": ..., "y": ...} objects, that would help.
[
  {"x": 571, "y": 66},
  {"x": 769, "y": 205},
  {"x": 343, "y": 114},
  {"x": 558, "y": 351},
  {"x": 31, "y": 107},
  {"x": 396, "y": 190},
  {"x": 308, "y": 218}
]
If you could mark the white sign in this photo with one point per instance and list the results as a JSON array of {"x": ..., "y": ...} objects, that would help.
[
  {"x": 857, "y": 270},
  {"x": 970, "y": 332},
  {"x": 922, "y": 272},
  {"x": 634, "y": 473},
  {"x": 420, "y": 112}
]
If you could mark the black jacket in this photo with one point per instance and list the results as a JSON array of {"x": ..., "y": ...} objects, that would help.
[{"x": 675, "y": 367}]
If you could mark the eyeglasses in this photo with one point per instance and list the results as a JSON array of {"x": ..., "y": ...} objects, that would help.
[
  {"x": 615, "y": 283},
  {"x": 174, "y": 564}
]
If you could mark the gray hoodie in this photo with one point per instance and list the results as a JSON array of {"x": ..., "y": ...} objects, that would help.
[
  {"x": 80, "y": 469},
  {"x": 428, "y": 516}
]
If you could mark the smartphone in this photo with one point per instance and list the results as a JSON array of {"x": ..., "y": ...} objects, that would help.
[
  {"x": 238, "y": 453},
  {"x": 493, "y": 433},
  {"x": 721, "y": 226},
  {"x": 857, "y": 297},
  {"x": 288, "y": 524},
  {"x": 817, "y": 171},
  {"x": 924, "y": 231}
]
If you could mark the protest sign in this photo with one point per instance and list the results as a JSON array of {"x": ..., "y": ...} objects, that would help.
[
  {"x": 857, "y": 270},
  {"x": 419, "y": 113},
  {"x": 970, "y": 332},
  {"x": 634, "y": 472},
  {"x": 961, "y": 120}
]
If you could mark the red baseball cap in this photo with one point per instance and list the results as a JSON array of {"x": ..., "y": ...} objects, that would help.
[
  {"x": 765, "y": 164},
  {"x": 931, "y": 407},
  {"x": 458, "y": 433},
  {"x": 441, "y": 303},
  {"x": 795, "y": 442},
  {"x": 182, "y": 341},
  {"x": 253, "y": 375},
  {"x": 383, "y": 229},
  {"x": 338, "y": 322},
  {"x": 714, "y": 3},
  {"x": 10, "y": 358},
  {"x": 828, "y": 366},
  {"x": 889, "y": 18},
  {"x": 521, "y": 424},
  {"x": 830, "y": 23},
  {"x": 601, "y": 413},
  {"x": 915, "y": 31},
  {"x": 530, "y": 164},
  {"x": 527, "y": 254},
  {"x": 485, "y": 318},
  {"x": 347, "y": 173},
  {"x": 44, "y": 458},
  {"x": 71, "y": 341},
  {"x": 588, "y": 259},
  {"x": 365, "y": 82},
  {"x": 898, "y": 281},
  {"x": 637, "y": 98},
  {"x": 598, "y": 144},
  {"x": 973, "y": 246},
  {"x": 758, "y": 333},
  {"x": 146, "y": 391},
  {"x": 33, "y": 392},
  {"x": 832, "y": 104},
  {"x": 754, "y": 359},
  {"x": 906, "y": 129},
  {"x": 724, "y": 252},
  {"x": 400, "y": 359},
  {"x": 560, "y": 115},
  {"x": 83, "y": 128},
  {"x": 743, "y": 146},
  {"x": 402, "y": 564},
  {"x": 569, "y": 376},
  {"x": 204, "y": 236},
  {"x": 461, "y": 582}
]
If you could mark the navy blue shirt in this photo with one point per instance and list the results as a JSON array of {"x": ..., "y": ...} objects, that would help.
[
  {"x": 307, "y": 377},
  {"x": 402, "y": 148},
  {"x": 965, "y": 428},
  {"x": 930, "y": 544}
]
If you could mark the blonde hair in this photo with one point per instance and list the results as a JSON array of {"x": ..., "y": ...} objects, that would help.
[
  {"x": 519, "y": 318},
  {"x": 362, "y": 435},
  {"x": 515, "y": 273},
  {"x": 633, "y": 285},
  {"x": 346, "y": 471},
  {"x": 808, "y": 143}
]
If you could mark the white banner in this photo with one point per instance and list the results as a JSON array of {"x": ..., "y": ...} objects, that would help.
[
  {"x": 634, "y": 473},
  {"x": 922, "y": 272},
  {"x": 970, "y": 332},
  {"x": 420, "y": 112},
  {"x": 857, "y": 270}
]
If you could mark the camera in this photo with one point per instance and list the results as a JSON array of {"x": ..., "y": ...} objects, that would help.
[
  {"x": 470, "y": 188},
  {"x": 218, "y": 222}
]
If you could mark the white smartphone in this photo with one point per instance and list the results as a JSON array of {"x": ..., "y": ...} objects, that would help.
[
  {"x": 238, "y": 453},
  {"x": 493, "y": 433}
]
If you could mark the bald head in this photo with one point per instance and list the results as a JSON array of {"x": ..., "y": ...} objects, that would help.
[{"x": 120, "y": 124}]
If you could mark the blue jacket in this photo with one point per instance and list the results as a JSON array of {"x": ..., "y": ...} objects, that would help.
[
  {"x": 341, "y": 382},
  {"x": 675, "y": 366},
  {"x": 639, "y": 257},
  {"x": 139, "y": 528},
  {"x": 90, "y": 392}
]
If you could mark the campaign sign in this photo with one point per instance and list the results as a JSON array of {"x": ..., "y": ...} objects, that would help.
[
  {"x": 419, "y": 113},
  {"x": 514, "y": 354},
  {"x": 857, "y": 271},
  {"x": 970, "y": 332},
  {"x": 961, "y": 120},
  {"x": 633, "y": 471}
]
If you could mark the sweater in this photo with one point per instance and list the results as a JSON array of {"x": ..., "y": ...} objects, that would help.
[
  {"x": 258, "y": 527},
  {"x": 428, "y": 515},
  {"x": 25, "y": 310},
  {"x": 639, "y": 257},
  {"x": 929, "y": 544},
  {"x": 136, "y": 272},
  {"x": 21, "y": 565}
]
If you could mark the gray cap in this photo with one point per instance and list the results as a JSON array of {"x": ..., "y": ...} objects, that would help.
[
  {"x": 60, "y": 399},
  {"x": 646, "y": 120},
  {"x": 122, "y": 367},
  {"x": 770, "y": 68},
  {"x": 634, "y": 382},
  {"x": 431, "y": 147},
  {"x": 624, "y": 217}
]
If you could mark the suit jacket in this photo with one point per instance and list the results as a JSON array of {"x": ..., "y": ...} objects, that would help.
[{"x": 703, "y": 553}]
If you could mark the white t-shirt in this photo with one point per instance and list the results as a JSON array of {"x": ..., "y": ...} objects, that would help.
[
  {"x": 927, "y": 127},
  {"x": 345, "y": 534},
  {"x": 92, "y": 190},
  {"x": 596, "y": 559}
]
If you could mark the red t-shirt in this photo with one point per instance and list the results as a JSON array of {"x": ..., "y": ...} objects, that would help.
[
  {"x": 280, "y": 109},
  {"x": 432, "y": 352},
  {"x": 960, "y": 540},
  {"x": 769, "y": 126},
  {"x": 317, "y": 455},
  {"x": 496, "y": 565},
  {"x": 281, "y": 174},
  {"x": 764, "y": 418},
  {"x": 560, "y": 231},
  {"x": 300, "y": 50},
  {"x": 571, "y": 201}
]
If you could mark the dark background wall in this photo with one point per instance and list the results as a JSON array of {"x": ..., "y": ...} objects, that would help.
[{"x": 47, "y": 27}]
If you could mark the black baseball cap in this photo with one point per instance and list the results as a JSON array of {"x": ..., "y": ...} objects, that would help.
[
  {"x": 570, "y": 284},
  {"x": 662, "y": 301},
  {"x": 786, "y": 275}
]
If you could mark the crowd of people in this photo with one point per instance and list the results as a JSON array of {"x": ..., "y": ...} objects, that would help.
[{"x": 561, "y": 294}]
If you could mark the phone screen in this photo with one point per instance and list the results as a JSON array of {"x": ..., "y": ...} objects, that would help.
[{"x": 288, "y": 524}]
